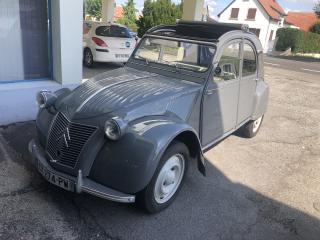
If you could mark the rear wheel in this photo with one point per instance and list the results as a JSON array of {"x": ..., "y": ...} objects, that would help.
[
  {"x": 167, "y": 180},
  {"x": 251, "y": 128},
  {"x": 88, "y": 58}
]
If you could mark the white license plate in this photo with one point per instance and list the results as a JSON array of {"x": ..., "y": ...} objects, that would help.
[
  {"x": 122, "y": 55},
  {"x": 54, "y": 178}
]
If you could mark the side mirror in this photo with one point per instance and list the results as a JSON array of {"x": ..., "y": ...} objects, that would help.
[{"x": 218, "y": 70}]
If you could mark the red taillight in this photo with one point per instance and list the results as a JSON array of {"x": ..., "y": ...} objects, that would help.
[{"x": 99, "y": 42}]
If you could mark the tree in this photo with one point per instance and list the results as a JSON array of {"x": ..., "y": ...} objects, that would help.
[
  {"x": 93, "y": 8},
  {"x": 317, "y": 9},
  {"x": 158, "y": 12},
  {"x": 315, "y": 28},
  {"x": 129, "y": 15}
]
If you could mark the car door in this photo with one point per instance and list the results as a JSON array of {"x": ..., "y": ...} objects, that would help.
[
  {"x": 220, "y": 102},
  {"x": 248, "y": 81}
]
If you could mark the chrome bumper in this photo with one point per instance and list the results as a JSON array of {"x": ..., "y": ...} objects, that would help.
[{"x": 80, "y": 183}]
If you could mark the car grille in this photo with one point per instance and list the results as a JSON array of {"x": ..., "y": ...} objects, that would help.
[{"x": 66, "y": 140}]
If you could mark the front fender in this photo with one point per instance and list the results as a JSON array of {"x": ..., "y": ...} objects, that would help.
[{"x": 128, "y": 165}]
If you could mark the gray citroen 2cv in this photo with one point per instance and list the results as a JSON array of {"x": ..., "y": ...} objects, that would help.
[{"x": 129, "y": 134}]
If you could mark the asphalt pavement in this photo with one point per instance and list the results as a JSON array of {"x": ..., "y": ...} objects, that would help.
[
  {"x": 267, "y": 187},
  {"x": 297, "y": 64}
]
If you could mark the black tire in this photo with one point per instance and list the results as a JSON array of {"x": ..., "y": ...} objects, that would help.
[
  {"x": 146, "y": 198},
  {"x": 88, "y": 58},
  {"x": 250, "y": 130}
]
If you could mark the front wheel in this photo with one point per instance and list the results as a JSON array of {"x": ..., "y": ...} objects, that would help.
[
  {"x": 167, "y": 180},
  {"x": 251, "y": 128}
]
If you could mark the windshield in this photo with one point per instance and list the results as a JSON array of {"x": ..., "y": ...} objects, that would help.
[{"x": 179, "y": 54}]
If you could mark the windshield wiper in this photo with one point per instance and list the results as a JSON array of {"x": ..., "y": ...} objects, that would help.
[{"x": 175, "y": 64}]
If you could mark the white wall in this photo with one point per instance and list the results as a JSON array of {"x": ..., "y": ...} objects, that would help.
[
  {"x": 11, "y": 62},
  {"x": 107, "y": 10},
  {"x": 193, "y": 10},
  {"x": 17, "y": 100},
  {"x": 67, "y": 40},
  {"x": 261, "y": 21}
]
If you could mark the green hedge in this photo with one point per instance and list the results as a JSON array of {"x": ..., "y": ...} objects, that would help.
[
  {"x": 315, "y": 28},
  {"x": 299, "y": 41}
]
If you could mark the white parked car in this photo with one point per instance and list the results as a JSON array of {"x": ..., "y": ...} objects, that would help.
[{"x": 106, "y": 43}]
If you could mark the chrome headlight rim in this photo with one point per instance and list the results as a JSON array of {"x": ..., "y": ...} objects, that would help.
[
  {"x": 114, "y": 128},
  {"x": 45, "y": 99},
  {"x": 42, "y": 98}
]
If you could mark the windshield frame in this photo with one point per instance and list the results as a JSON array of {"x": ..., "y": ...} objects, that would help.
[{"x": 166, "y": 67}]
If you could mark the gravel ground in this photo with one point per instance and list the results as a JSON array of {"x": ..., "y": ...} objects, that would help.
[{"x": 262, "y": 188}]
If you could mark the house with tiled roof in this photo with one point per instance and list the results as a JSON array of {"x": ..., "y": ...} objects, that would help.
[
  {"x": 117, "y": 13},
  {"x": 302, "y": 20},
  {"x": 264, "y": 18}
]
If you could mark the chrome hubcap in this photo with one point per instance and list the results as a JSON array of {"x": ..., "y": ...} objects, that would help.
[
  {"x": 256, "y": 124},
  {"x": 169, "y": 178}
]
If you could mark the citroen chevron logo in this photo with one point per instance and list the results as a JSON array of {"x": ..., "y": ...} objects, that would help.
[{"x": 65, "y": 137}]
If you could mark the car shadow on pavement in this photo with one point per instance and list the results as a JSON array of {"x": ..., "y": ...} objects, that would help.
[{"x": 211, "y": 207}]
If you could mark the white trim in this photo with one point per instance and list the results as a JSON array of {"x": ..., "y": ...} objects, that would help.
[{"x": 18, "y": 100}]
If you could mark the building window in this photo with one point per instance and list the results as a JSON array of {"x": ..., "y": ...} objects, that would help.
[
  {"x": 256, "y": 31},
  {"x": 251, "y": 14},
  {"x": 271, "y": 36},
  {"x": 234, "y": 13},
  {"x": 24, "y": 40}
]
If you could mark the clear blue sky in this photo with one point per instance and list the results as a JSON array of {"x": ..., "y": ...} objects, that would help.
[{"x": 217, "y": 5}]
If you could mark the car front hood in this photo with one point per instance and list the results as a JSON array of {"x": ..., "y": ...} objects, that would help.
[{"x": 132, "y": 92}]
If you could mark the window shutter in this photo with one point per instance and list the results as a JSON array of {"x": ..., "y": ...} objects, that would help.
[
  {"x": 234, "y": 13},
  {"x": 252, "y": 13}
]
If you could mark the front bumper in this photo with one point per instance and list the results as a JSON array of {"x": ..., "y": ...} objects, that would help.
[{"x": 77, "y": 184}]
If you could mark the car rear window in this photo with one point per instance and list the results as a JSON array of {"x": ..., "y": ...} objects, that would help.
[{"x": 113, "y": 31}]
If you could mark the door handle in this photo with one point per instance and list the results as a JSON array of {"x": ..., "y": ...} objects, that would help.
[{"x": 209, "y": 92}]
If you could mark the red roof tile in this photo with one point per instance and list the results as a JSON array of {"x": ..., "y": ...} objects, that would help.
[
  {"x": 273, "y": 9},
  {"x": 118, "y": 12},
  {"x": 303, "y": 20}
]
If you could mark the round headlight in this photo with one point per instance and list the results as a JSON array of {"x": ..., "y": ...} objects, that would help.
[
  {"x": 41, "y": 99},
  {"x": 114, "y": 128},
  {"x": 46, "y": 99}
]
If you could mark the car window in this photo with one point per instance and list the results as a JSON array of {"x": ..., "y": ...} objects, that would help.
[
  {"x": 249, "y": 61},
  {"x": 120, "y": 32},
  {"x": 113, "y": 31},
  {"x": 229, "y": 64},
  {"x": 103, "y": 31}
]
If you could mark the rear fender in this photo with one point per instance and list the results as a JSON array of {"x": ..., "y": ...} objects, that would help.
[{"x": 261, "y": 99}]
